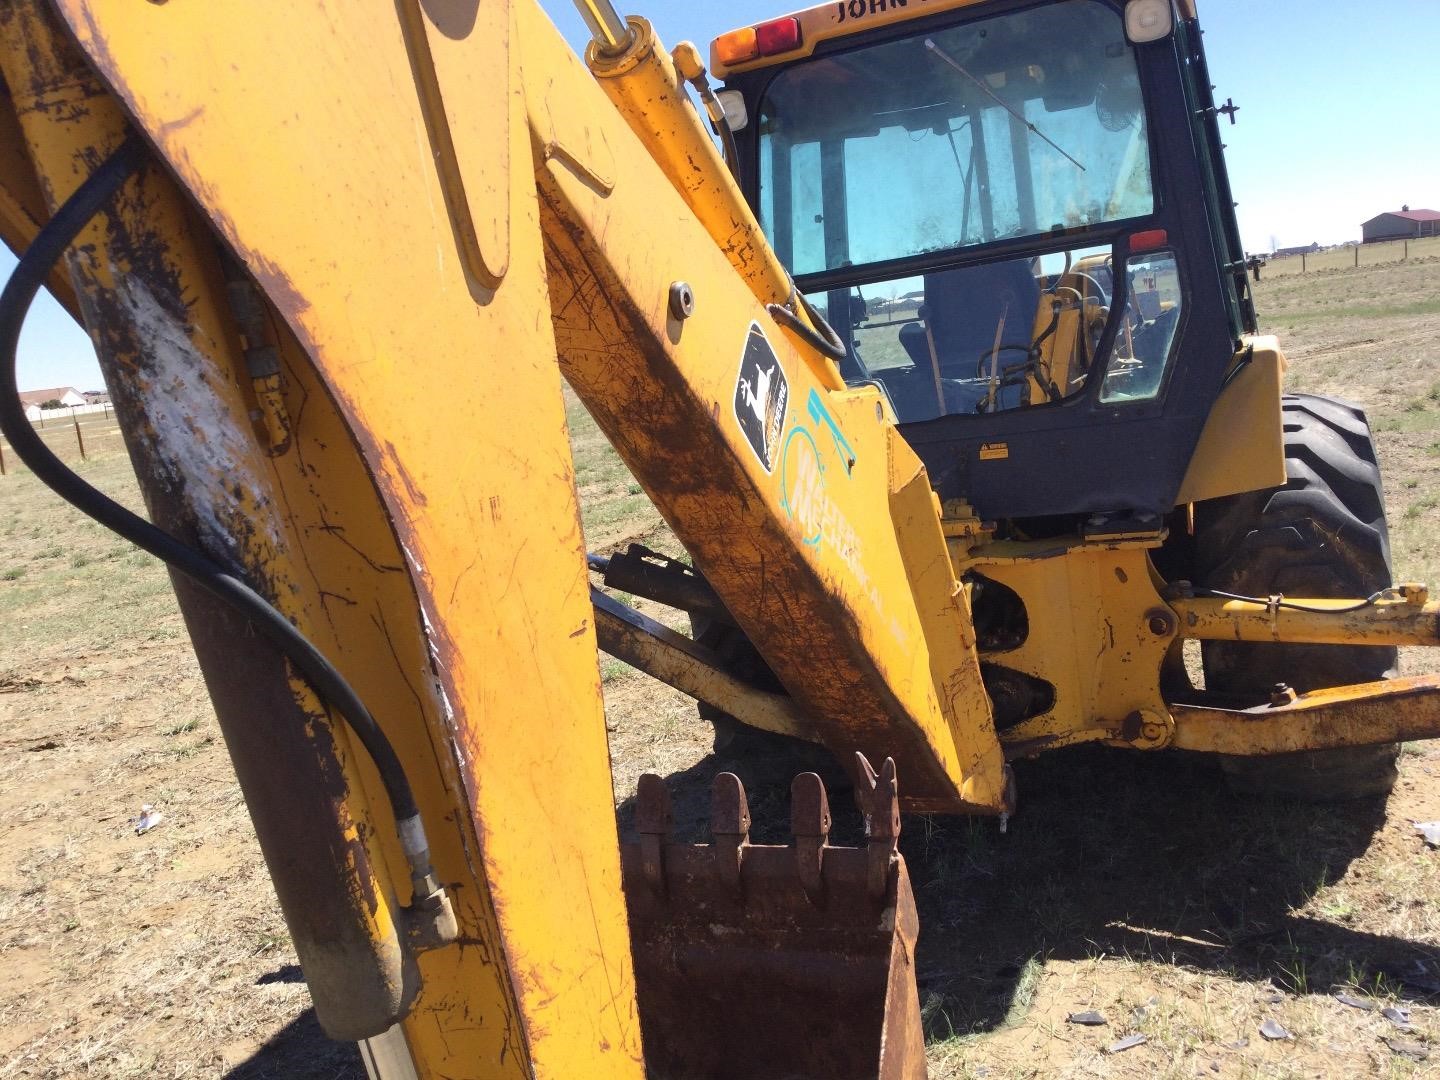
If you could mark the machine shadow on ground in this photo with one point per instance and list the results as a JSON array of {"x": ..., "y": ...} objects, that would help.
[
  {"x": 300, "y": 1051},
  {"x": 1111, "y": 854}
]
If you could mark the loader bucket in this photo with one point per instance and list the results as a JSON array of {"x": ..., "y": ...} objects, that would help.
[{"x": 774, "y": 962}]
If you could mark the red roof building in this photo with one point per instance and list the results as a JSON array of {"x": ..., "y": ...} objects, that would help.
[{"x": 1402, "y": 224}]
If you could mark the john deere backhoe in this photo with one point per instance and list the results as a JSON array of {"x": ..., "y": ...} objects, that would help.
[
  {"x": 1017, "y": 217},
  {"x": 956, "y": 491}
]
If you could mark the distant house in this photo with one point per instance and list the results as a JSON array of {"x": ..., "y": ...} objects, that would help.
[
  {"x": 96, "y": 397},
  {"x": 34, "y": 401},
  {"x": 1402, "y": 224},
  {"x": 1308, "y": 249}
]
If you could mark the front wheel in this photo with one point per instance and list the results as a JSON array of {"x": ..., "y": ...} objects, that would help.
[{"x": 1321, "y": 535}]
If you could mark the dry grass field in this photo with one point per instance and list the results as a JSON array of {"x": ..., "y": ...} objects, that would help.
[
  {"x": 1134, "y": 887},
  {"x": 1348, "y": 257}
]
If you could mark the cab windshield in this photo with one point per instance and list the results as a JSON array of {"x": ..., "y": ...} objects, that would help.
[{"x": 1002, "y": 128}]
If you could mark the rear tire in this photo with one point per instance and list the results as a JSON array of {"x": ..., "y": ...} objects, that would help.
[{"x": 1323, "y": 535}]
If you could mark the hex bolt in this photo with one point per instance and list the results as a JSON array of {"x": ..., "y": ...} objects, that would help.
[
  {"x": 1161, "y": 623},
  {"x": 1281, "y": 694},
  {"x": 682, "y": 300}
]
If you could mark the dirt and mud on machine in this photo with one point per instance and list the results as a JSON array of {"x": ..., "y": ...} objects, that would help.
[{"x": 943, "y": 373}]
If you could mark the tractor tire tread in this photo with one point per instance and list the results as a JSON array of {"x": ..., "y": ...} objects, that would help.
[{"x": 1321, "y": 534}]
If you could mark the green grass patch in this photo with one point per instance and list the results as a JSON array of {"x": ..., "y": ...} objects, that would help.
[
  {"x": 612, "y": 669},
  {"x": 183, "y": 727},
  {"x": 1365, "y": 312},
  {"x": 1408, "y": 421},
  {"x": 1422, "y": 506}
]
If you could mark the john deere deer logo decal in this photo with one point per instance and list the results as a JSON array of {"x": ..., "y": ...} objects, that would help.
[{"x": 761, "y": 395}]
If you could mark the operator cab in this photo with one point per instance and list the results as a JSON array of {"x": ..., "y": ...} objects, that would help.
[{"x": 1005, "y": 212}]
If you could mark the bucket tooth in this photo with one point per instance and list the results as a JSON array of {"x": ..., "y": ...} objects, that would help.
[
  {"x": 729, "y": 827},
  {"x": 879, "y": 799},
  {"x": 774, "y": 962},
  {"x": 653, "y": 821},
  {"x": 810, "y": 824}
]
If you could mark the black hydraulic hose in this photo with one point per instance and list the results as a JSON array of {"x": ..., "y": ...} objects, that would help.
[
  {"x": 1281, "y": 602},
  {"x": 33, "y": 269},
  {"x": 823, "y": 339}
]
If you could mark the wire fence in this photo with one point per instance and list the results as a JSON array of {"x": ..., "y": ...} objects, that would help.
[
  {"x": 73, "y": 435},
  {"x": 1352, "y": 256}
]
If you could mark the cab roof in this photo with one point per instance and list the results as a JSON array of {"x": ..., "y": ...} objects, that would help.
[
  {"x": 825, "y": 22},
  {"x": 842, "y": 18}
]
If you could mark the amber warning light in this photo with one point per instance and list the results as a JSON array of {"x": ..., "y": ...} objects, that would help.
[{"x": 767, "y": 39}]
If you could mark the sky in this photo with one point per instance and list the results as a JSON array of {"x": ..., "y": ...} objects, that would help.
[{"x": 1336, "y": 124}]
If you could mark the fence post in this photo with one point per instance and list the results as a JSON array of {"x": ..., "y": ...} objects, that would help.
[
  {"x": 2, "y": 460},
  {"x": 80, "y": 441},
  {"x": 1406, "y": 256},
  {"x": 1357, "y": 255},
  {"x": 1302, "y": 262}
]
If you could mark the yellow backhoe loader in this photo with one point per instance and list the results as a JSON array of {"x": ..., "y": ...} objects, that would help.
[{"x": 943, "y": 372}]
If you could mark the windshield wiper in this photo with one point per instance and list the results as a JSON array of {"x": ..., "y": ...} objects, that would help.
[{"x": 943, "y": 55}]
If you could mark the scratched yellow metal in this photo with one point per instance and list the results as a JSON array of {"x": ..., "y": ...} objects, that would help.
[
  {"x": 646, "y": 90},
  {"x": 1387, "y": 621},
  {"x": 671, "y": 658},
  {"x": 137, "y": 269},
  {"x": 22, "y": 203},
  {"x": 359, "y": 238},
  {"x": 785, "y": 511},
  {"x": 1390, "y": 711},
  {"x": 1091, "y": 636}
]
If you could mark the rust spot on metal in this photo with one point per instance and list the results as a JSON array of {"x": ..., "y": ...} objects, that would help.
[
  {"x": 772, "y": 590},
  {"x": 799, "y": 968}
]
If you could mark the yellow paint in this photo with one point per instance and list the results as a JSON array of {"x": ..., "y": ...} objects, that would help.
[
  {"x": 474, "y": 644},
  {"x": 220, "y": 489},
  {"x": 944, "y": 608},
  {"x": 644, "y": 85},
  {"x": 1388, "y": 621},
  {"x": 22, "y": 203},
  {"x": 1090, "y": 608},
  {"x": 369, "y": 166},
  {"x": 1242, "y": 447},
  {"x": 799, "y": 547},
  {"x": 1368, "y": 714},
  {"x": 1076, "y": 306}
]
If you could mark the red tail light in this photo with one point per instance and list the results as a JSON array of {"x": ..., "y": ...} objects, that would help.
[
  {"x": 1151, "y": 240},
  {"x": 780, "y": 35}
]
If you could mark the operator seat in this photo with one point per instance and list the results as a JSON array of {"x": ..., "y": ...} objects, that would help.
[{"x": 965, "y": 307}]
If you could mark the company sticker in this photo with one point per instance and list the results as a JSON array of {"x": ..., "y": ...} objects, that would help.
[
  {"x": 994, "y": 451},
  {"x": 761, "y": 396}
]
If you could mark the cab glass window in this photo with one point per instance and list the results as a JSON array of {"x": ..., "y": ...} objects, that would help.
[
  {"x": 1145, "y": 339},
  {"x": 978, "y": 339},
  {"x": 1005, "y": 127}
]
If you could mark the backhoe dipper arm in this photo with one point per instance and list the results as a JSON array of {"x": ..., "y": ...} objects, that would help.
[
  {"x": 321, "y": 309},
  {"x": 800, "y": 503}
]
